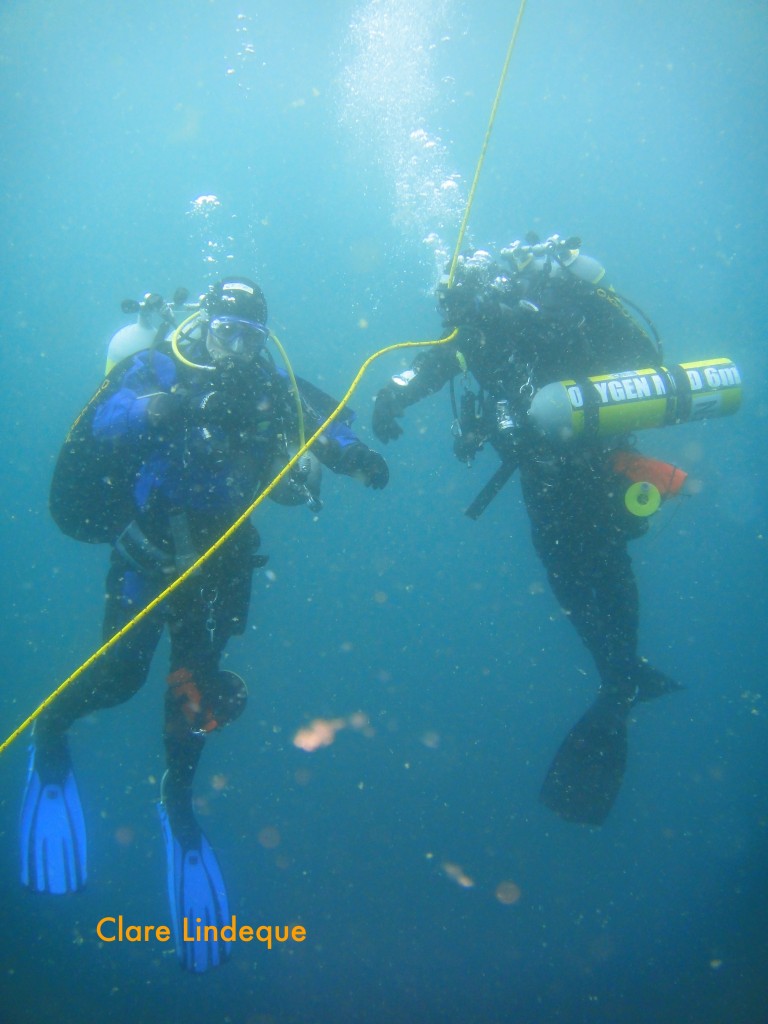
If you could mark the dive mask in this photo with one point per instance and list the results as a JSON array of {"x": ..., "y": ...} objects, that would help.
[{"x": 231, "y": 336}]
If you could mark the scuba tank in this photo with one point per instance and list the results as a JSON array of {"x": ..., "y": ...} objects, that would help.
[
  {"x": 619, "y": 403},
  {"x": 554, "y": 256},
  {"x": 142, "y": 333},
  {"x": 128, "y": 341}
]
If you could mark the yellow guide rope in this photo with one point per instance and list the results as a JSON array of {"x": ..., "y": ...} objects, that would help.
[{"x": 486, "y": 140}]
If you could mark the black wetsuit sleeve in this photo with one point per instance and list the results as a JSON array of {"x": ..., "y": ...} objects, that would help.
[
  {"x": 430, "y": 371},
  {"x": 338, "y": 447},
  {"x": 317, "y": 406}
]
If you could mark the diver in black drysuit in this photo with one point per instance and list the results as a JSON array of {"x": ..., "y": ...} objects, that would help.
[{"x": 518, "y": 331}]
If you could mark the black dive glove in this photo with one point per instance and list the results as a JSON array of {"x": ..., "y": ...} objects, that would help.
[
  {"x": 369, "y": 466},
  {"x": 386, "y": 409}
]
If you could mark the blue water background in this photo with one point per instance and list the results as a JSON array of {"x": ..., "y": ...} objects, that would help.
[{"x": 639, "y": 126}]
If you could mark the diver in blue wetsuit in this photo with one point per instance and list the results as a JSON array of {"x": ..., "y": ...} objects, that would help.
[{"x": 176, "y": 444}]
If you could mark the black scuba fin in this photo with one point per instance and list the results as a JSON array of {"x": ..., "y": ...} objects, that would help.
[
  {"x": 585, "y": 776},
  {"x": 650, "y": 683}
]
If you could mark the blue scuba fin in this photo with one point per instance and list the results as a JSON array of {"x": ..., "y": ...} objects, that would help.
[
  {"x": 51, "y": 827},
  {"x": 197, "y": 896}
]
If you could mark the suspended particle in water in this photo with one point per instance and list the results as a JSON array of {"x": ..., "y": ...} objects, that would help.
[
  {"x": 269, "y": 837},
  {"x": 458, "y": 875},
  {"x": 508, "y": 893},
  {"x": 321, "y": 732}
]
